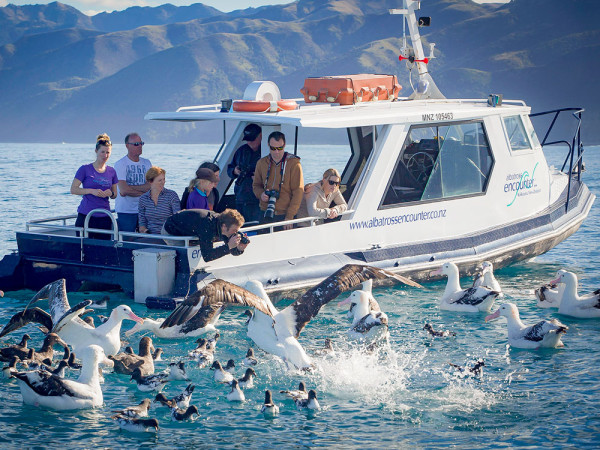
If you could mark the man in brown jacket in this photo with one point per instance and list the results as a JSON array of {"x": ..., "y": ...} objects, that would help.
[{"x": 278, "y": 177}]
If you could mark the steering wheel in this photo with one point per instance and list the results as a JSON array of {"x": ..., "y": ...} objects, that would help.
[{"x": 420, "y": 165}]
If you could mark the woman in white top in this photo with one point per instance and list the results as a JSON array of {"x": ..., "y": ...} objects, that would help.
[{"x": 319, "y": 196}]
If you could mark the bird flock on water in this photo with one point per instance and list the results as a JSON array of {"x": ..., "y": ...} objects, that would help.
[{"x": 44, "y": 383}]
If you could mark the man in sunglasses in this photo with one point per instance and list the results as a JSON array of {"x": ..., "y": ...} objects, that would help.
[
  {"x": 278, "y": 177},
  {"x": 131, "y": 172}
]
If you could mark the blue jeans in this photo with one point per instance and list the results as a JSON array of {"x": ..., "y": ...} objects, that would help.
[{"x": 127, "y": 222}]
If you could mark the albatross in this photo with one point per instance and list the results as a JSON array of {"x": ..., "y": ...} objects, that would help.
[
  {"x": 199, "y": 312},
  {"x": 65, "y": 321},
  {"x": 279, "y": 334}
]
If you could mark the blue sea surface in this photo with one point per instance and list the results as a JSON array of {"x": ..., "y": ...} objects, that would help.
[{"x": 403, "y": 395}]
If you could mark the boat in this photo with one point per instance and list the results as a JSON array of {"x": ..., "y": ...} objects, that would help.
[{"x": 429, "y": 179}]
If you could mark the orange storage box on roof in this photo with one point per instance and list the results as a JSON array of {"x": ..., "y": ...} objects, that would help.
[{"x": 350, "y": 89}]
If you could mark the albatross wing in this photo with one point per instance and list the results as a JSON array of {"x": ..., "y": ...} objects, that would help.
[{"x": 299, "y": 313}]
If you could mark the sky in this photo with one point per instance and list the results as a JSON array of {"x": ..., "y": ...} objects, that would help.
[{"x": 91, "y": 7}]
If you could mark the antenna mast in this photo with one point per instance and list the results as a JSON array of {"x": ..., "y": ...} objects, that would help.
[{"x": 425, "y": 87}]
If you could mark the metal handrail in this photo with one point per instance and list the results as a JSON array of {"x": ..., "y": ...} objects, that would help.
[
  {"x": 89, "y": 215},
  {"x": 270, "y": 226},
  {"x": 575, "y": 143}
]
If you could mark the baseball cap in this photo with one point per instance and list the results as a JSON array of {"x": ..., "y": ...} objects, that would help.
[{"x": 251, "y": 132}]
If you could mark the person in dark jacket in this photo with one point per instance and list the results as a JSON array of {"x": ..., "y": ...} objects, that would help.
[
  {"x": 241, "y": 169},
  {"x": 209, "y": 227}
]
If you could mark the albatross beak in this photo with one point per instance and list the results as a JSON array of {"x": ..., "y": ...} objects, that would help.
[
  {"x": 492, "y": 316},
  {"x": 435, "y": 272},
  {"x": 344, "y": 302},
  {"x": 136, "y": 318}
]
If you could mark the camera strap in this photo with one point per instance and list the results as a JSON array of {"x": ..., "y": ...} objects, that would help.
[{"x": 282, "y": 170}]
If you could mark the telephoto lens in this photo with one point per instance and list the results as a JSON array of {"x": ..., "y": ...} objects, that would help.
[{"x": 273, "y": 196}]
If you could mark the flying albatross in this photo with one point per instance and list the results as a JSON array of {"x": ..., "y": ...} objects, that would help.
[
  {"x": 65, "y": 321},
  {"x": 199, "y": 312},
  {"x": 279, "y": 335}
]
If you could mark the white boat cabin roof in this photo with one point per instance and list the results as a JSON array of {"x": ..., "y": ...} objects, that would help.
[{"x": 322, "y": 115}]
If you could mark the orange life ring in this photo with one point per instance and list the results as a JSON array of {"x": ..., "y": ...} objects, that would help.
[{"x": 263, "y": 106}]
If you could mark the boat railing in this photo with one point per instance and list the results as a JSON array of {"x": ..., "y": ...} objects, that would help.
[
  {"x": 47, "y": 226},
  {"x": 574, "y": 164}
]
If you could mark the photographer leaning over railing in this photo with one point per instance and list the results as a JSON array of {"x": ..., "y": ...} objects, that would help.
[
  {"x": 210, "y": 227},
  {"x": 278, "y": 182}
]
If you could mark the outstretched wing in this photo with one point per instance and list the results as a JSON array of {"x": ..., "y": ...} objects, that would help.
[
  {"x": 299, "y": 313},
  {"x": 26, "y": 316},
  {"x": 210, "y": 300},
  {"x": 71, "y": 314},
  {"x": 56, "y": 293}
]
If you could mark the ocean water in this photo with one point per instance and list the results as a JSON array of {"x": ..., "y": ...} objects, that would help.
[{"x": 403, "y": 395}]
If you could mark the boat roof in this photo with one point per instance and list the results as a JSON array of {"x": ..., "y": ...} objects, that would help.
[{"x": 323, "y": 115}]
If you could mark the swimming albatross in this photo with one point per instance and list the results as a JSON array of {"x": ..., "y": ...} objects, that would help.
[{"x": 278, "y": 334}]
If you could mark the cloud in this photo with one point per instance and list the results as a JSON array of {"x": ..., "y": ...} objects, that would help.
[{"x": 3, "y": 3}]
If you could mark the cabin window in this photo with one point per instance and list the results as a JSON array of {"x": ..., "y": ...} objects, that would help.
[
  {"x": 517, "y": 137},
  {"x": 440, "y": 161}
]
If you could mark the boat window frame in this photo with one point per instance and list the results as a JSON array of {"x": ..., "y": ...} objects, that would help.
[
  {"x": 524, "y": 129},
  {"x": 382, "y": 207}
]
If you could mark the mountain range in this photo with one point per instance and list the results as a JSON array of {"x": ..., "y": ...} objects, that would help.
[{"x": 65, "y": 76}]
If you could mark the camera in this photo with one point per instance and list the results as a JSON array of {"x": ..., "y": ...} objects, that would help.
[
  {"x": 273, "y": 196},
  {"x": 244, "y": 173},
  {"x": 243, "y": 238}
]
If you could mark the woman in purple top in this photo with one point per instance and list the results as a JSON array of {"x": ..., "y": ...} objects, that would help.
[
  {"x": 96, "y": 182},
  {"x": 199, "y": 189}
]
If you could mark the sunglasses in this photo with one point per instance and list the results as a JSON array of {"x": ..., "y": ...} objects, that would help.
[
  {"x": 278, "y": 149},
  {"x": 333, "y": 183},
  {"x": 136, "y": 144},
  {"x": 105, "y": 142}
]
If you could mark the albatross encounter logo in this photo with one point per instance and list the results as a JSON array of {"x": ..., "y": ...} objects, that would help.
[{"x": 521, "y": 184}]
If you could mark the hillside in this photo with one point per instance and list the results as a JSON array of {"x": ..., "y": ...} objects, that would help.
[{"x": 67, "y": 76}]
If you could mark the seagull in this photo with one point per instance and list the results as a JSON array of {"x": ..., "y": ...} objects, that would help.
[
  {"x": 41, "y": 388},
  {"x": 269, "y": 409},
  {"x": 202, "y": 353},
  {"x": 135, "y": 412},
  {"x": 149, "y": 383},
  {"x": 474, "y": 299},
  {"x": 475, "y": 369},
  {"x": 310, "y": 402},
  {"x": 221, "y": 376},
  {"x": 177, "y": 371},
  {"x": 549, "y": 295},
  {"x": 301, "y": 392},
  {"x": 157, "y": 355},
  {"x": 136, "y": 425},
  {"x": 199, "y": 312},
  {"x": 278, "y": 334},
  {"x": 546, "y": 333},
  {"x": 585, "y": 306},
  {"x": 65, "y": 321},
  {"x": 250, "y": 359},
  {"x": 435, "y": 333},
  {"x": 229, "y": 366},
  {"x": 327, "y": 349},
  {"x": 180, "y": 414},
  {"x": 11, "y": 369},
  {"x": 100, "y": 304},
  {"x": 247, "y": 381},
  {"x": 181, "y": 400},
  {"x": 236, "y": 394}
]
